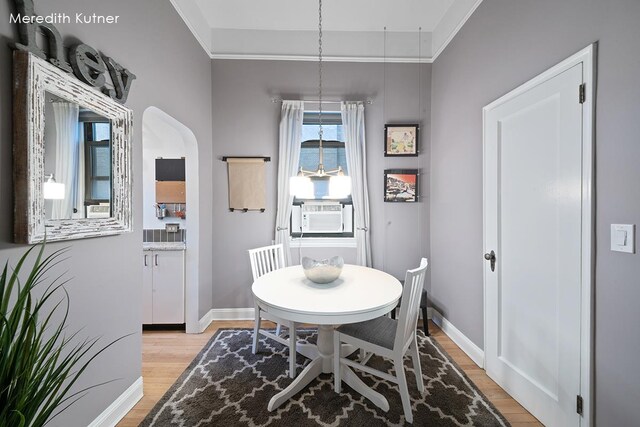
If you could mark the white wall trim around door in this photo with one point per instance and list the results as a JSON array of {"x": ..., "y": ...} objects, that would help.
[
  {"x": 473, "y": 351},
  {"x": 120, "y": 407},
  {"x": 587, "y": 57}
]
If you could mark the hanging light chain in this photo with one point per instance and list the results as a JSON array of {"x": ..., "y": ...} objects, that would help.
[{"x": 321, "y": 157}]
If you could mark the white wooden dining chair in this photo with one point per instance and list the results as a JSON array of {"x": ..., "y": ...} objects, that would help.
[
  {"x": 388, "y": 338},
  {"x": 263, "y": 260}
]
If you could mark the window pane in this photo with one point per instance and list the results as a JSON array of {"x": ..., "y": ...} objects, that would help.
[
  {"x": 100, "y": 161},
  {"x": 100, "y": 190},
  {"x": 333, "y": 157},
  {"x": 320, "y": 188},
  {"x": 329, "y": 132},
  {"x": 101, "y": 131}
]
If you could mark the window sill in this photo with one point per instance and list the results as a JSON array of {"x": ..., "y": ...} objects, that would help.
[{"x": 323, "y": 242}]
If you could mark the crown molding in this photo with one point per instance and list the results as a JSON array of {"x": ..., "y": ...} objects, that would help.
[
  {"x": 311, "y": 58},
  {"x": 439, "y": 50},
  {"x": 208, "y": 48},
  {"x": 205, "y": 45}
]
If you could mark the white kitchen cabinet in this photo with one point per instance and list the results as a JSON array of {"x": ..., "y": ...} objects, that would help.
[{"x": 163, "y": 287}]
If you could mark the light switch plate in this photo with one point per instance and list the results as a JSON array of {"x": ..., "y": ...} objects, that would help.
[{"x": 623, "y": 238}]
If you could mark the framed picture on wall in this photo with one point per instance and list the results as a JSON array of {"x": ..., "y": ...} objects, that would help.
[
  {"x": 401, "y": 140},
  {"x": 401, "y": 185}
]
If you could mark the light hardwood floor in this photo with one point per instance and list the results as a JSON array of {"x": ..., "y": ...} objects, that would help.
[{"x": 166, "y": 354}]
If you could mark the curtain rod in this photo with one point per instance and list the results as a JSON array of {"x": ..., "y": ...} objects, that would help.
[
  {"x": 316, "y": 101},
  {"x": 265, "y": 158}
]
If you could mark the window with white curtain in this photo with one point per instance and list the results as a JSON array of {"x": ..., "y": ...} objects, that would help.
[{"x": 333, "y": 148}]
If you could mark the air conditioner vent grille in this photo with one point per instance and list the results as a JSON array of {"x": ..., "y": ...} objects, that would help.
[{"x": 322, "y": 207}]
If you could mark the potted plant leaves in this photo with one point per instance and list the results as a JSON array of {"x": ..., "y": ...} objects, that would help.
[{"x": 39, "y": 362}]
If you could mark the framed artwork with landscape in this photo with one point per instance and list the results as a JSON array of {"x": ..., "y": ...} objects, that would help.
[
  {"x": 401, "y": 185},
  {"x": 401, "y": 140}
]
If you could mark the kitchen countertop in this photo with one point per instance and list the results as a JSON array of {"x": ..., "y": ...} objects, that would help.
[{"x": 164, "y": 246}]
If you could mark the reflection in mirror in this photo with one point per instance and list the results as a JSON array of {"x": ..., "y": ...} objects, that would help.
[{"x": 77, "y": 162}]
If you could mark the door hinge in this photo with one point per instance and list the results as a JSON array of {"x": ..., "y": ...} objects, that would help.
[
  {"x": 583, "y": 93},
  {"x": 579, "y": 404}
]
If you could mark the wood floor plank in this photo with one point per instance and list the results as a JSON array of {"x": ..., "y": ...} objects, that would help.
[{"x": 166, "y": 354}]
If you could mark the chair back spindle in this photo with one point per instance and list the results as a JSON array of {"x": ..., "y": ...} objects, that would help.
[
  {"x": 410, "y": 305},
  {"x": 266, "y": 259}
]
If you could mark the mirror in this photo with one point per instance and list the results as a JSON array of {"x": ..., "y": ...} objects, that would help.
[
  {"x": 72, "y": 156},
  {"x": 77, "y": 161}
]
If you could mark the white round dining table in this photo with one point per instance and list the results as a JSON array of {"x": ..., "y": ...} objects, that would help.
[{"x": 359, "y": 294}]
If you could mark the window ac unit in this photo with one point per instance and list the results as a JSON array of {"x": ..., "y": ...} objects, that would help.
[
  {"x": 103, "y": 210},
  {"x": 322, "y": 217}
]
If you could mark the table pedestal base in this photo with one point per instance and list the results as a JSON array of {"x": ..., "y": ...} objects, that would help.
[{"x": 322, "y": 362}]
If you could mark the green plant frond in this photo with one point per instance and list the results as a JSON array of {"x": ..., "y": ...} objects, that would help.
[
  {"x": 55, "y": 284},
  {"x": 86, "y": 364},
  {"x": 14, "y": 275},
  {"x": 85, "y": 390},
  {"x": 54, "y": 259},
  {"x": 37, "y": 265},
  {"x": 60, "y": 367},
  {"x": 42, "y": 266},
  {"x": 49, "y": 416},
  {"x": 22, "y": 420},
  {"x": 39, "y": 362},
  {"x": 3, "y": 284}
]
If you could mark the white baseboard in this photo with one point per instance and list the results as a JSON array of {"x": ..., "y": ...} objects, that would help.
[
  {"x": 226, "y": 314},
  {"x": 473, "y": 351},
  {"x": 120, "y": 407},
  {"x": 205, "y": 321}
]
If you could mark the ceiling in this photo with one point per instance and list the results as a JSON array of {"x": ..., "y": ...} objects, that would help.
[
  {"x": 339, "y": 15},
  {"x": 353, "y": 30}
]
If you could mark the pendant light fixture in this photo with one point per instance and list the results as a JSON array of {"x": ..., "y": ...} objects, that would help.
[{"x": 339, "y": 184}]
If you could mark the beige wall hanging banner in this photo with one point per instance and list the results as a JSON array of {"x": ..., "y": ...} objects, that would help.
[{"x": 247, "y": 183}]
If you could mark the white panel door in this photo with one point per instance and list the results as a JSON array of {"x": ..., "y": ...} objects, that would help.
[
  {"x": 533, "y": 223},
  {"x": 168, "y": 287}
]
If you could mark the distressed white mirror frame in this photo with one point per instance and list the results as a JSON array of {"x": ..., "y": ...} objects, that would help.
[{"x": 33, "y": 77}]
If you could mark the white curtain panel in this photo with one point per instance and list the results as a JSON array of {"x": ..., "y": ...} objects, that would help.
[
  {"x": 353, "y": 125},
  {"x": 66, "y": 171},
  {"x": 288, "y": 162}
]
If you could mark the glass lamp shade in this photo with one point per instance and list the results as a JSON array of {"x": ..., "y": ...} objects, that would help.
[
  {"x": 53, "y": 190},
  {"x": 339, "y": 187},
  {"x": 301, "y": 187}
]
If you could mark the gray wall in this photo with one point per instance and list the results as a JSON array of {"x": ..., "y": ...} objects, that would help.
[
  {"x": 504, "y": 44},
  {"x": 245, "y": 122},
  {"x": 174, "y": 74}
]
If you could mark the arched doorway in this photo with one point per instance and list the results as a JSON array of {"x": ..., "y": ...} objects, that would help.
[{"x": 164, "y": 136}]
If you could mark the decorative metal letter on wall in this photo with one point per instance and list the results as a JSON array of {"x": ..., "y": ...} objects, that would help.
[{"x": 86, "y": 63}]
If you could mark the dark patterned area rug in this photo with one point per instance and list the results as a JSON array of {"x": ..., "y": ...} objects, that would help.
[{"x": 227, "y": 385}]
